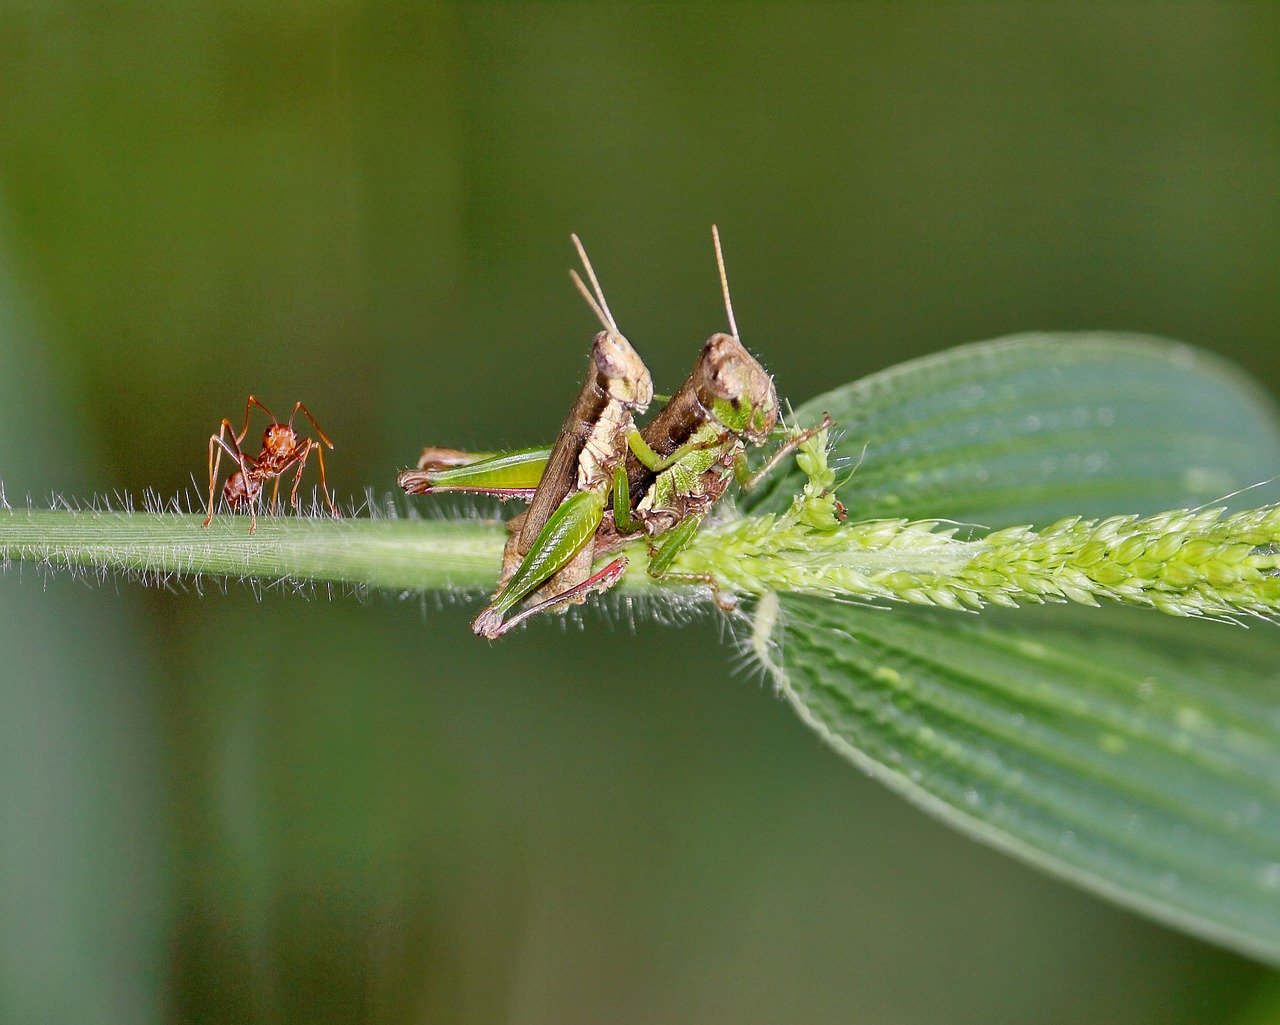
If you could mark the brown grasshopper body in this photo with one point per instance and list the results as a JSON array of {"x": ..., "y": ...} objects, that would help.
[
  {"x": 590, "y": 446},
  {"x": 549, "y": 554}
]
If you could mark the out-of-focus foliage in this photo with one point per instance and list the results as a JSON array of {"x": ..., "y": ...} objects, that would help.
[
  {"x": 83, "y": 874},
  {"x": 355, "y": 811}
]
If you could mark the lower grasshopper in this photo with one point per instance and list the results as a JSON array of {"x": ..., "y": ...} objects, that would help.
[
  {"x": 551, "y": 548},
  {"x": 674, "y": 472}
]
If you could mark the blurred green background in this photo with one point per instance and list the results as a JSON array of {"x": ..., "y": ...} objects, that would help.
[{"x": 229, "y": 808}]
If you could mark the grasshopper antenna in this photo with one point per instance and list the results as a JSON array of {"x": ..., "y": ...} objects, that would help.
[
  {"x": 598, "y": 303},
  {"x": 607, "y": 321},
  {"x": 724, "y": 280}
]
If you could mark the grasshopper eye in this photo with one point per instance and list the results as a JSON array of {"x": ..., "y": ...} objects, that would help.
[{"x": 607, "y": 355}]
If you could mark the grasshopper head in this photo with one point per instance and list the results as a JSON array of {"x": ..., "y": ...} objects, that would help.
[
  {"x": 736, "y": 389},
  {"x": 621, "y": 373},
  {"x": 738, "y": 392}
]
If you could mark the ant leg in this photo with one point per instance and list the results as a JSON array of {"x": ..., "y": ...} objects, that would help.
[
  {"x": 232, "y": 450},
  {"x": 307, "y": 413},
  {"x": 602, "y": 581},
  {"x": 301, "y": 457},
  {"x": 309, "y": 446},
  {"x": 215, "y": 462},
  {"x": 324, "y": 488},
  {"x": 217, "y": 442}
]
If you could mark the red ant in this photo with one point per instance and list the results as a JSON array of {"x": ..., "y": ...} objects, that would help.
[{"x": 281, "y": 449}]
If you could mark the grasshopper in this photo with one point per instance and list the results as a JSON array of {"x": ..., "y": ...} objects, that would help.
[
  {"x": 551, "y": 547},
  {"x": 684, "y": 460}
]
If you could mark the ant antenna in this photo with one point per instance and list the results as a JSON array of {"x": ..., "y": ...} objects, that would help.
[
  {"x": 602, "y": 307},
  {"x": 724, "y": 280}
]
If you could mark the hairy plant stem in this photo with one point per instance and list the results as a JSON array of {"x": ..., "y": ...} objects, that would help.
[
  {"x": 1184, "y": 562},
  {"x": 1197, "y": 563},
  {"x": 393, "y": 555}
]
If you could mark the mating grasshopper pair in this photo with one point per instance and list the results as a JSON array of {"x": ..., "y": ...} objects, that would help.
[{"x": 604, "y": 482}]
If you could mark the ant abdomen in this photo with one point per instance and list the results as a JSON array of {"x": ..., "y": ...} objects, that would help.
[{"x": 239, "y": 492}]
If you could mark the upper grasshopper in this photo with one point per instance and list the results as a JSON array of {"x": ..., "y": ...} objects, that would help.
[{"x": 551, "y": 546}]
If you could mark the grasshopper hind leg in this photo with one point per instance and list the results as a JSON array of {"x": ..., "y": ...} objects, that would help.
[
  {"x": 563, "y": 544},
  {"x": 575, "y": 595}
]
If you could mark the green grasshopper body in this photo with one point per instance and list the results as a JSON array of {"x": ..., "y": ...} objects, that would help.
[
  {"x": 685, "y": 459},
  {"x": 661, "y": 482}
]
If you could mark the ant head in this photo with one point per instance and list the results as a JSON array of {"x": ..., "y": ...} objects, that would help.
[
  {"x": 279, "y": 439},
  {"x": 240, "y": 491}
]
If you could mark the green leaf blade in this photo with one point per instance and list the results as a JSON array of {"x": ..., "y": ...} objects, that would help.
[
  {"x": 1147, "y": 772},
  {"x": 1135, "y": 755},
  {"x": 1035, "y": 427}
]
